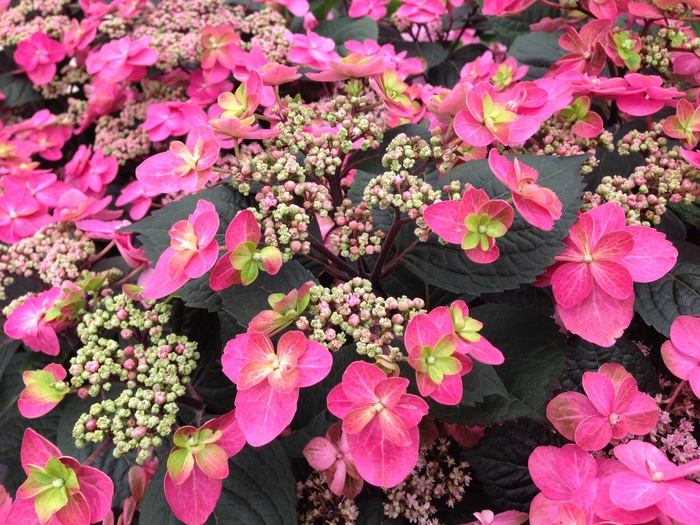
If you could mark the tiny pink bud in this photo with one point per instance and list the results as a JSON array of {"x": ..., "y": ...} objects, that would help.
[
  {"x": 129, "y": 364},
  {"x": 127, "y": 334},
  {"x": 122, "y": 315},
  {"x": 92, "y": 366},
  {"x": 138, "y": 432},
  {"x": 91, "y": 425},
  {"x": 83, "y": 393},
  {"x": 180, "y": 349}
]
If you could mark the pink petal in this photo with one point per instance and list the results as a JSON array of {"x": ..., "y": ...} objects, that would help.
[
  {"x": 682, "y": 502},
  {"x": 235, "y": 356},
  {"x": 652, "y": 257},
  {"x": 161, "y": 284},
  {"x": 600, "y": 318},
  {"x": 635, "y": 455},
  {"x": 76, "y": 511},
  {"x": 421, "y": 332},
  {"x": 357, "y": 419},
  {"x": 613, "y": 246},
  {"x": 445, "y": 219},
  {"x": 600, "y": 391},
  {"x": 567, "y": 410},
  {"x": 679, "y": 363},
  {"x": 258, "y": 347},
  {"x": 631, "y": 492},
  {"x": 594, "y": 433},
  {"x": 542, "y": 465},
  {"x": 37, "y": 450},
  {"x": 572, "y": 283},
  {"x": 471, "y": 130},
  {"x": 685, "y": 334},
  {"x": 359, "y": 381},
  {"x": 224, "y": 275},
  {"x": 157, "y": 173},
  {"x": 378, "y": 460},
  {"x": 194, "y": 500},
  {"x": 533, "y": 213},
  {"x": 243, "y": 228},
  {"x": 263, "y": 412},
  {"x": 606, "y": 218},
  {"x": 253, "y": 373},
  {"x": 320, "y": 454},
  {"x": 213, "y": 461},
  {"x": 482, "y": 351},
  {"x": 97, "y": 488},
  {"x": 606, "y": 509},
  {"x": 338, "y": 402},
  {"x": 314, "y": 364},
  {"x": 576, "y": 467},
  {"x": 450, "y": 391},
  {"x": 336, "y": 476}
]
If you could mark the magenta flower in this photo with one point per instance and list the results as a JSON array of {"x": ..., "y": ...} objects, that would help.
[
  {"x": 197, "y": 465},
  {"x": 646, "y": 96},
  {"x": 28, "y": 323},
  {"x": 21, "y": 216},
  {"x": 176, "y": 118},
  {"x": 58, "y": 490},
  {"x": 274, "y": 74},
  {"x": 80, "y": 35},
  {"x": 587, "y": 51},
  {"x": 91, "y": 175},
  {"x": 593, "y": 284},
  {"x": 221, "y": 51},
  {"x": 565, "y": 476},
  {"x": 242, "y": 262},
  {"x": 612, "y": 408},
  {"x": 653, "y": 486},
  {"x": 421, "y": 11},
  {"x": 140, "y": 198},
  {"x": 203, "y": 90},
  {"x": 311, "y": 50},
  {"x": 122, "y": 59},
  {"x": 381, "y": 422},
  {"x": 375, "y": 9},
  {"x": 43, "y": 390},
  {"x": 474, "y": 223},
  {"x": 510, "y": 517},
  {"x": 332, "y": 457},
  {"x": 38, "y": 57},
  {"x": 184, "y": 167},
  {"x": 193, "y": 251},
  {"x": 439, "y": 368},
  {"x": 268, "y": 381},
  {"x": 355, "y": 65},
  {"x": 539, "y": 206},
  {"x": 74, "y": 206},
  {"x": 681, "y": 354},
  {"x": 505, "y": 7}
]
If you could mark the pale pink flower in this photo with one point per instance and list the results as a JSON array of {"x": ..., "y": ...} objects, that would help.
[
  {"x": 91, "y": 174},
  {"x": 192, "y": 252},
  {"x": 269, "y": 379},
  {"x": 646, "y": 96},
  {"x": 21, "y": 215},
  {"x": 587, "y": 51},
  {"x": 28, "y": 323},
  {"x": 38, "y": 57},
  {"x": 203, "y": 91},
  {"x": 331, "y": 456}
]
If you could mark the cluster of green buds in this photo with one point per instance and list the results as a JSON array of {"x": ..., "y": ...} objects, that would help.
[
  {"x": 296, "y": 115},
  {"x": 155, "y": 370},
  {"x": 353, "y": 312},
  {"x": 356, "y": 235}
]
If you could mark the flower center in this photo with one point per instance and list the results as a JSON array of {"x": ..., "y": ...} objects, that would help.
[{"x": 378, "y": 407}]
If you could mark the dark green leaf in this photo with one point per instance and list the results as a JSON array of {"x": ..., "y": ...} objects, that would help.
[
  {"x": 676, "y": 293},
  {"x": 500, "y": 459},
  {"x": 321, "y": 8},
  {"x": 8, "y": 348},
  {"x": 153, "y": 233},
  {"x": 537, "y": 50},
  {"x": 508, "y": 28},
  {"x": 342, "y": 29},
  {"x": 371, "y": 512},
  {"x": 525, "y": 296},
  {"x": 672, "y": 227},
  {"x": 587, "y": 356},
  {"x": 259, "y": 490},
  {"x": 688, "y": 213},
  {"x": 245, "y": 302},
  {"x": 294, "y": 443},
  {"x": 525, "y": 250},
  {"x": 446, "y": 73},
  {"x": 535, "y": 355},
  {"x": 18, "y": 90}
]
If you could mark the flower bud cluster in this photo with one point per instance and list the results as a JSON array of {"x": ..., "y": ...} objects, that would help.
[
  {"x": 403, "y": 152},
  {"x": 559, "y": 139},
  {"x": 296, "y": 116},
  {"x": 54, "y": 254},
  {"x": 656, "y": 50},
  {"x": 317, "y": 504},
  {"x": 437, "y": 476},
  {"x": 285, "y": 212},
  {"x": 356, "y": 235},
  {"x": 265, "y": 29},
  {"x": 155, "y": 369},
  {"x": 665, "y": 177},
  {"x": 352, "y": 312}
]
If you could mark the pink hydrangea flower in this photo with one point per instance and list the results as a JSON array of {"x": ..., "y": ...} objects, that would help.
[
  {"x": 474, "y": 223},
  {"x": 681, "y": 354},
  {"x": 91, "y": 174},
  {"x": 612, "y": 408},
  {"x": 646, "y": 95},
  {"x": 685, "y": 124},
  {"x": 538, "y": 205},
  {"x": 510, "y": 517},
  {"x": 652, "y": 487},
  {"x": 296, "y": 7},
  {"x": 505, "y": 7},
  {"x": 567, "y": 475},
  {"x": 421, "y": 11},
  {"x": 432, "y": 353},
  {"x": 184, "y": 167},
  {"x": 140, "y": 198},
  {"x": 193, "y": 251},
  {"x": 21, "y": 215},
  {"x": 74, "y": 206},
  {"x": 168, "y": 119},
  {"x": 311, "y": 50},
  {"x": 242, "y": 262},
  {"x": 80, "y": 35},
  {"x": 587, "y": 51},
  {"x": 59, "y": 490},
  {"x": 122, "y": 59},
  {"x": 269, "y": 380},
  {"x": 381, "y": 422},
  {"x": 593, "y": 284},
  {"x": 203, "y": 90},
  {"x": 375, "y": 9},
  {"x": 221, "y": 51},
  {"x": 197, "y": 465},
  {"x": 38, "y": 57},
  {"x": 355, "y": 65},
  {"x": 43, "y": 390},
  {"x": 331, "y": 456}
]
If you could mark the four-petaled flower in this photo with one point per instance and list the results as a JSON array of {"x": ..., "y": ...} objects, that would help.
[
  {"x": 587, "y": 124},
  {"x": 285, "y": 310},
  {"x": 44, "y": 389},
  {"x": 331, "y": 456},
  {"x": 538, "y": 205},
  {"x": 681, "y": 354},
  {"x": 184, "y": 167},
  {"x": 192, "y": 252},
  {"x": 685, "y": 124},
  {"x": 243, "y": 261},
  {"x": 474, "y": 223},
  {"x": 268, "y": 381},
  {"x": 197, "y": 465},
  {"x": 38, "y": 57},
  {"x": 58, "y": 489},
  {"x": 612, "y": 408},
  {"x": 381, "y": 422}
]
